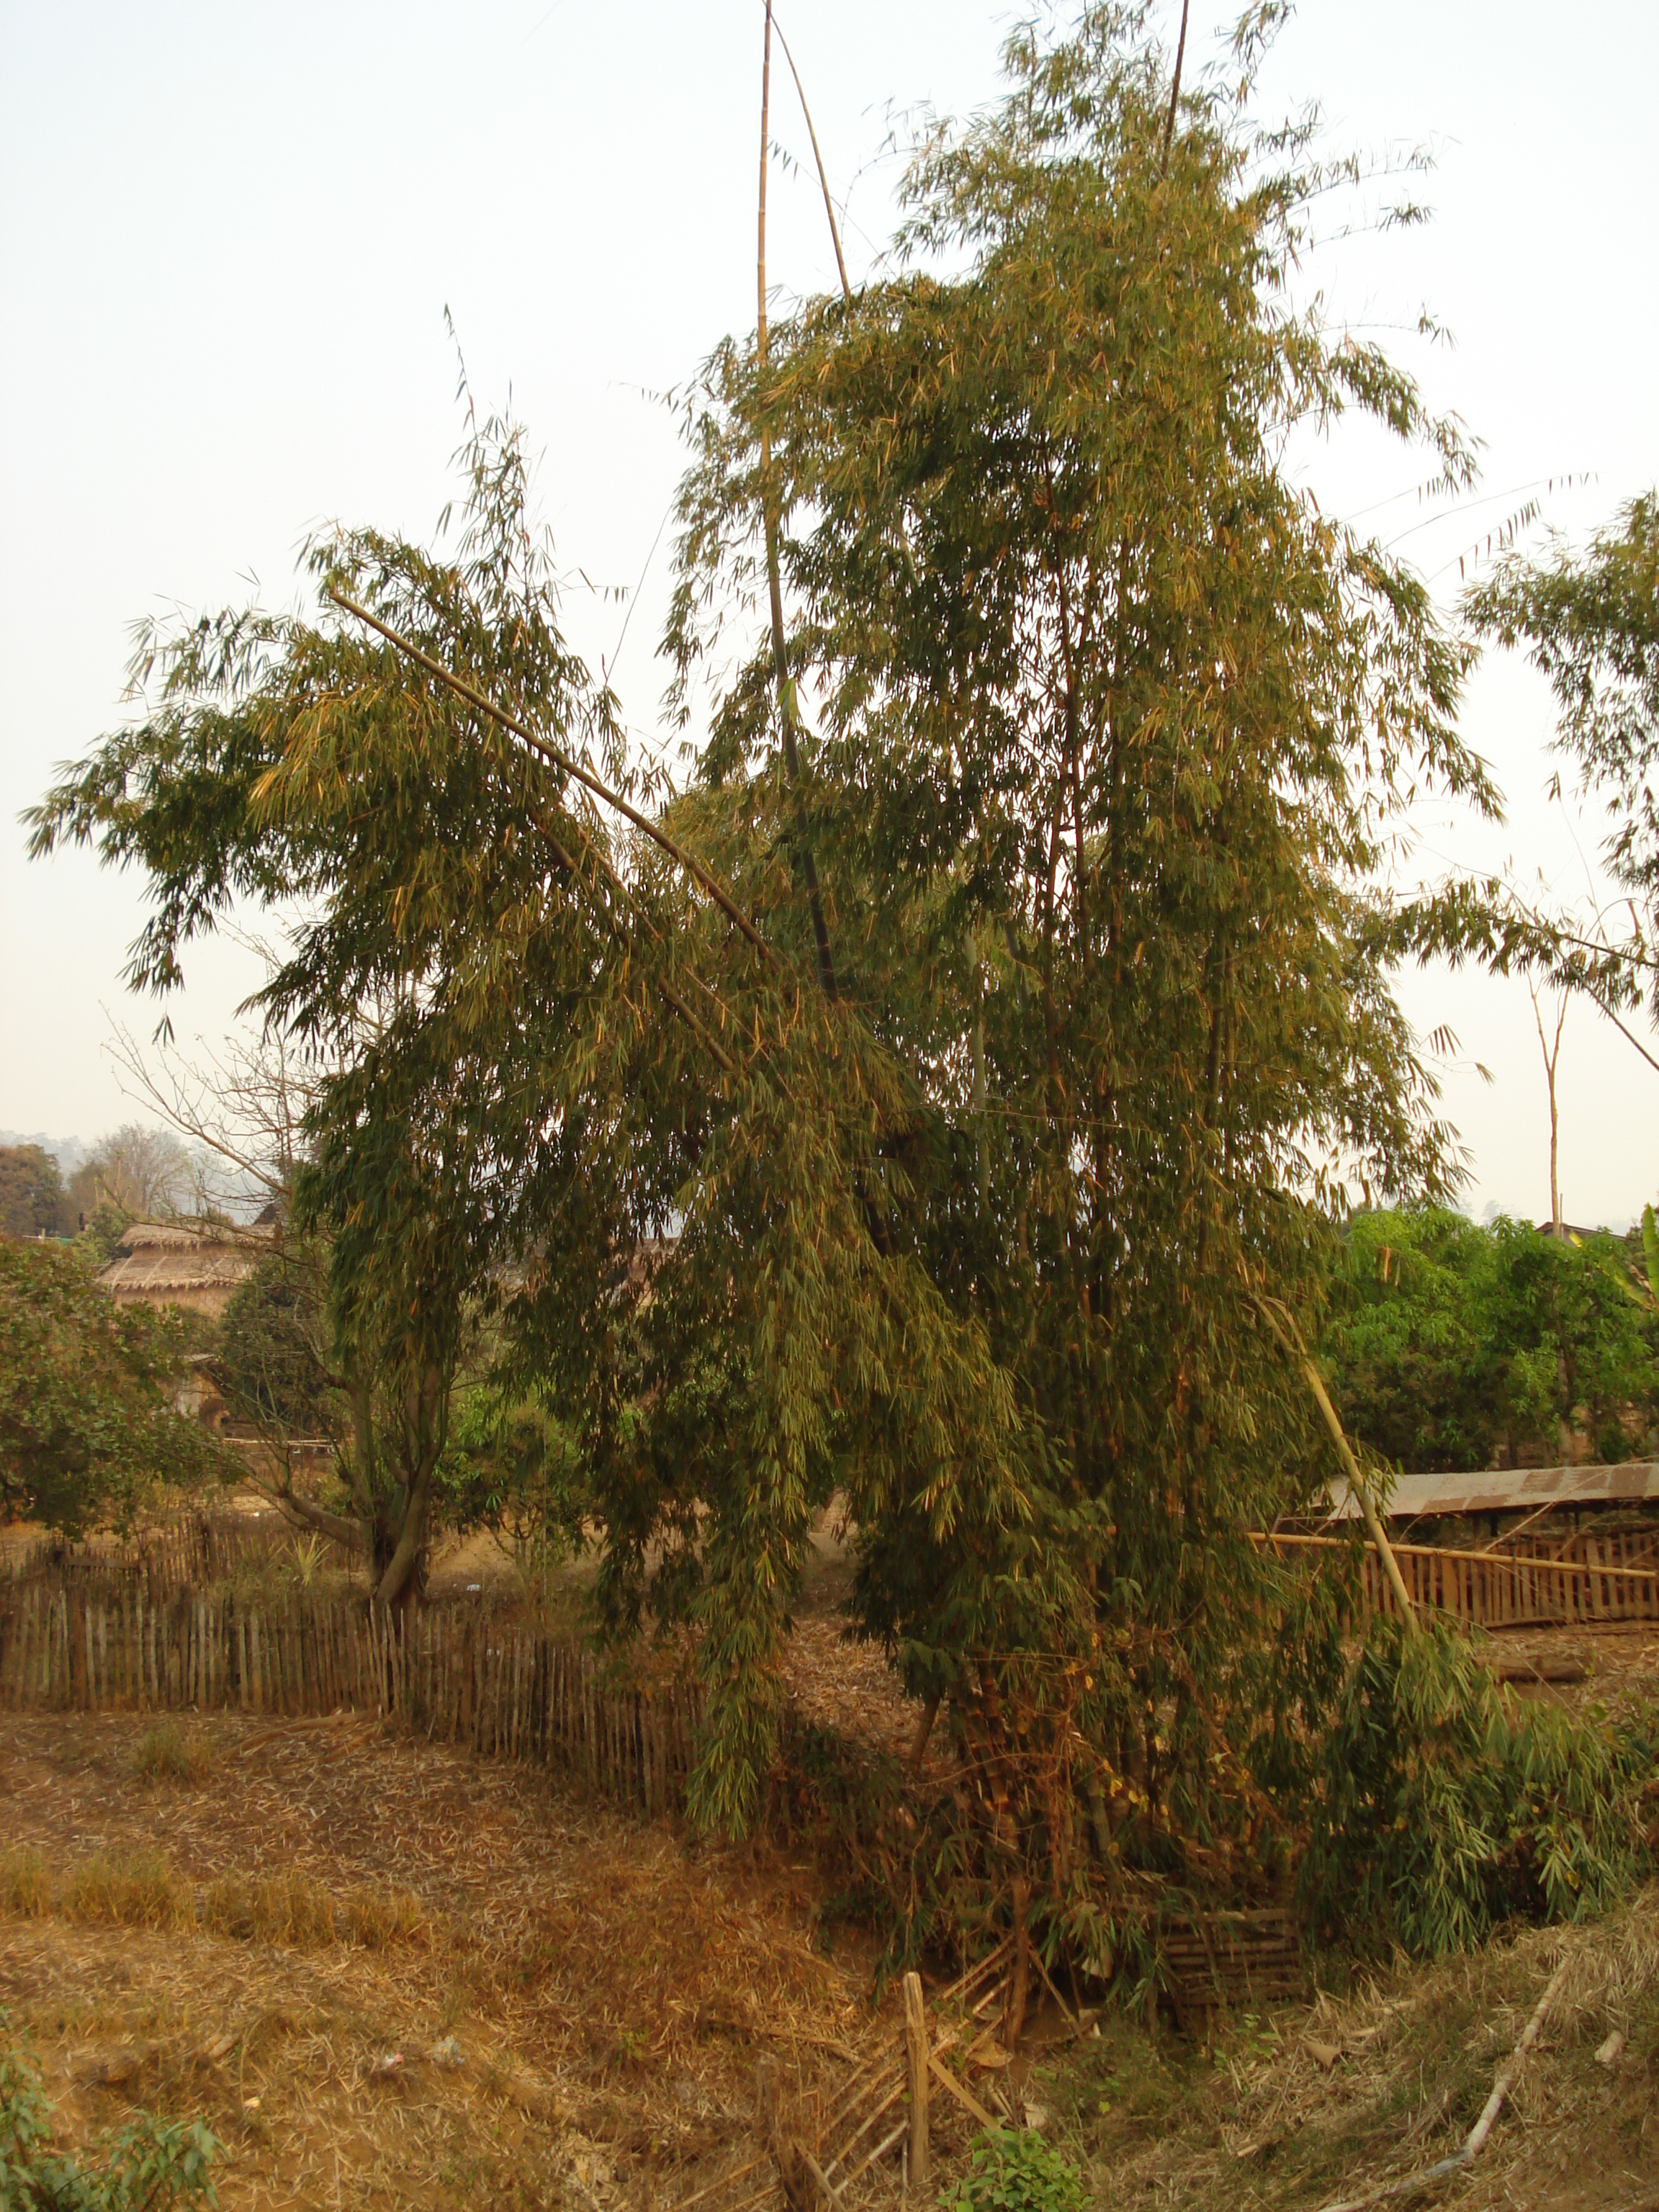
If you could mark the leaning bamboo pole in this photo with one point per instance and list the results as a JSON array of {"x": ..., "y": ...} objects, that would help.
[{"x": 1282, "y": 1323}]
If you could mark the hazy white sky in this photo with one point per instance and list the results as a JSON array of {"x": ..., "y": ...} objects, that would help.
[{"x": 228, "y": 235}]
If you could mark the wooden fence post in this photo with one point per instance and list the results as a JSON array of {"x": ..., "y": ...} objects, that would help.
[{"x": 916, "y": 2052}]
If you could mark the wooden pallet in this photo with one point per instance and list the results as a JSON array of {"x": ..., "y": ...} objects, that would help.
[{"x": 1230, "y": 1962}]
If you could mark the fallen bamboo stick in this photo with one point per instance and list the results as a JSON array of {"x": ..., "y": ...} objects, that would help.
[
  {"x": 823, "y": 2180},
  {"x": 1282, "y": 1323},
  {"x": 963, "y": 2096},
  {"x": 958, "y": 1990},
  {"x": 880, "y": 2151},
  {"x": 1475, "y": 2142},
  {"x": 725, "y": 2182}
]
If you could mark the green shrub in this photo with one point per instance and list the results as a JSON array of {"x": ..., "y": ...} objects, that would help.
[
  {"x": 141, "y": 2167},
  {"x": 1445, "y": 1808},
  {"x": 1012, "y": 2171}
]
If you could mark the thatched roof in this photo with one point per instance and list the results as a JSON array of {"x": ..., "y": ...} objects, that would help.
[
  {"x": 160, "y": 1259},
  {"x": 169, "y": 1236}
]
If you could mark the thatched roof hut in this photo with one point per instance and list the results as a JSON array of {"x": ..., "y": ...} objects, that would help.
[{"x": 195, "y": 1264}]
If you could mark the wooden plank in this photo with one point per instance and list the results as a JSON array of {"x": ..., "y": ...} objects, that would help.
[{"x": 963, "y": 2096}]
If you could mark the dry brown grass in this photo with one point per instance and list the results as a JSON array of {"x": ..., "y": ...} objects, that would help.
[
  {"x": 25, "y": 1883},
  {"x": 351, "y": 1895},
  {"x": 1300, "y": 2105},
  {"x": 164, "y": 1751},
  {"x": 293, "y": 1910},
  {"x": 136, "y": 1889}
]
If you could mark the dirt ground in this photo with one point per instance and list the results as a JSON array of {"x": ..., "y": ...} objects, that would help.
[
  {"x": 1617, "y": 1663},
  {"x": 597, "y": 1993},
  {"x": 833, "y": 1680},
  {"x": 525, "y": 2000},
  {"x": 388, "y": 1974}
]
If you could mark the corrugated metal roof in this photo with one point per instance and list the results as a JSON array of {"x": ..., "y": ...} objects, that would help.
[{"x": 1512, "y": 1490}]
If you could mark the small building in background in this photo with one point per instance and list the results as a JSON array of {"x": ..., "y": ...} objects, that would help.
[{"x": 194, "y": 1265}]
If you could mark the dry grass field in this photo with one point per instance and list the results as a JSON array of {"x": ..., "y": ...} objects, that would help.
[{"x": 389, "y": 1975}]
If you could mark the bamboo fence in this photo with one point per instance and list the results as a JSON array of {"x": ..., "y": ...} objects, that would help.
[
  {"x": 456, "y": 1673},
  {"x": 1588, "y": 1582},
  {"x": 1620, "y": 1547}
]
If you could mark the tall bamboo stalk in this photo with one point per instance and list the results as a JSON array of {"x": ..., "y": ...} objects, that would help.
[
  {"x": 788, "y": 713},
  {"x": 824, "y": 181}
]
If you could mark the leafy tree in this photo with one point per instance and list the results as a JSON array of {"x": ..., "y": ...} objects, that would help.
[
  {"x": 513, "y": 1468},
  {"x": 87, "y": 1425},
  {"x": 31, "y": 1192},
  {"x": 145, "y": 1172},
  {"x": 1579, "y": 1339},
  {"x": 1413, "y": 1373},
  {"x": 1451, "y": 1342},
  {"x": 412, "y": 1131},
  {"x": 273, "y": 1345},
  {"x": 106, "y": 1224},
  {"x": 950, "y": 1104},
  {"x": 1590, "y": 622},
  {"x": 1111, "y": 719}
]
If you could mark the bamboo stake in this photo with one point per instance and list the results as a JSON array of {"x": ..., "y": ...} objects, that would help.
[
  {"x": 786, "y": 706},
  {"x": 824, "y": 181},
  {"x": 916, "y": 2054},
  {"x": 570, "y": 767}
]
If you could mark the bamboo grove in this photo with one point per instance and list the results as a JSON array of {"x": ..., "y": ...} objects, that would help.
[{"x": 931, "y": 1100}]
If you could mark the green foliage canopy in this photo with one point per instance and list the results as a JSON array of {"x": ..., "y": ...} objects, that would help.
[
  {"x": 87, "y": 1425},
  {"x": 1448, "y": 1340},
  {"x": 971, "y": 1222},
  {"x": 273, "y": 1347},
  {"x": 31, "y": 1196}
]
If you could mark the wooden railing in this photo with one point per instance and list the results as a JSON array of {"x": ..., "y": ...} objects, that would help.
[
  {"x": 197, "y": 1549},
  {"x": 1501, "y": 1589}
]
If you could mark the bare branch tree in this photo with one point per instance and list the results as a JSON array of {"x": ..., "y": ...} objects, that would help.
[{"x": 1552, "y": 1052}]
